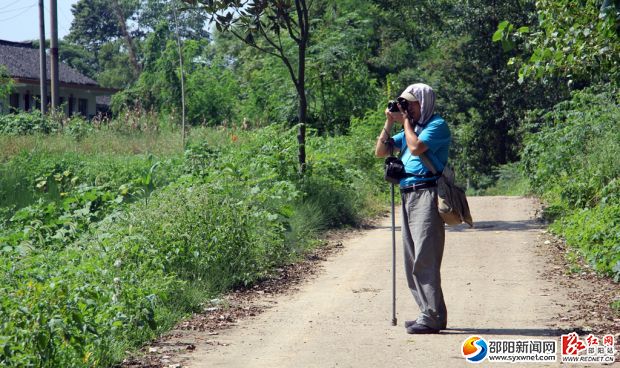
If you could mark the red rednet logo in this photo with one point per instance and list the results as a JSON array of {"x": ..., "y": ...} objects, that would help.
[
  {"x": 571, "y": 345},
  {"x": 591, "y": 349}
]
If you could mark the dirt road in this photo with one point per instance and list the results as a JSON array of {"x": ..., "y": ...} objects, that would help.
[{"x": 342, "y": 318}]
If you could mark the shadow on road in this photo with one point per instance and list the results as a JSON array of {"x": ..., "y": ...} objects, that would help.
[
  {"x": 510, "y": 331},
  {"x": 397, "y": 228},
  {"x": 481, "y": 226},
  {"x": 497, "y": 226}
]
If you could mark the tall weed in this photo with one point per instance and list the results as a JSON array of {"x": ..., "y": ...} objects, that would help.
[
  {"x": 571, "y": 160},
  {"x": 96, "y": 271}
]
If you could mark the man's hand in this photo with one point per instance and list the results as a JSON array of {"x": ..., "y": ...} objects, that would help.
[
  {"x": 398, "y": 117},
  {"x": 383, "y": 149},
  {"x": 404, "y": 113}
]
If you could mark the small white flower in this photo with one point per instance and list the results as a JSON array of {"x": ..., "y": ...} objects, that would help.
[
  {"x": 117, "y": 280},
  {"x": 118, "y": 263}
]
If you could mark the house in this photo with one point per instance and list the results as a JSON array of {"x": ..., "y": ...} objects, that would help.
[{"x": 78, "y": 93}]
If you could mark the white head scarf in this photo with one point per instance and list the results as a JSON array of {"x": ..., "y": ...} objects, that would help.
[{"x": 426, "y": 96}]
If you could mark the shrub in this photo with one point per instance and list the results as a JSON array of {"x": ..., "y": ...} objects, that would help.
[
  {"x": 27, "y": 123},
  {"x": 32, "y": 176},
  {"x": 78, "y": 128},
  {"x": 509, "y": 180},
  {"x": 572, "y": 162},
  {"x": 596, "y": 232},
  {"x": 91, "y": 273}
]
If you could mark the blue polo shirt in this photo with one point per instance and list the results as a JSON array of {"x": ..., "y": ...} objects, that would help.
[{"x": 436, "y": 136}]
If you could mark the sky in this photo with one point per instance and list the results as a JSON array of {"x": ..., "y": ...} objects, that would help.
[{"x": 19, "y": 19}]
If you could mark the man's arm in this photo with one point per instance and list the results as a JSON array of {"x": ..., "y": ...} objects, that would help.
[
  {"x": 416, "y": 146},
  {"x": 383, "y": 148}
]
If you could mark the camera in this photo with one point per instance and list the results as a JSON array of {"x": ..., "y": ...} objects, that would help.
[
  {"x": 394, "y": 170},
  {"x": 393, "y": 105}
]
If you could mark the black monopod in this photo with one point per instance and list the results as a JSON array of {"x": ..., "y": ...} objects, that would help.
[
  {"x": 394, "y": 170},
  {"x": 393, "y": 262}
]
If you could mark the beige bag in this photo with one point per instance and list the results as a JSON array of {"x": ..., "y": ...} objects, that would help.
[{"x": 451, "y": 200}]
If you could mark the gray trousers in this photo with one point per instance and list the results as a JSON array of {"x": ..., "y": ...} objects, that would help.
[{"x": 423, "y": 241}]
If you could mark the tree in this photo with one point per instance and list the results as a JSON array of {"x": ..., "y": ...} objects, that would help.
[
  {"x": 491, "y": 121},
  {"x": 95, "y": 22},
  {"x": 340, "y": 84},
  {"x": 114, "y": 31},
  {"x": 6, "y": 83},
  {"x": 576, "y": 39},
  {"x": 113, "y": 64},
  {"x": 448, "y": 45},
  {"x": 129, "y": 42},
  {"x": 152, "y": 13},
  {"x": 262, "y": 24}
]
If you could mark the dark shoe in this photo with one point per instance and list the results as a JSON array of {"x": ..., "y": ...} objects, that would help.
[
  {"x": 411, "y": 323},
  {"x": 418, "y": 329}
]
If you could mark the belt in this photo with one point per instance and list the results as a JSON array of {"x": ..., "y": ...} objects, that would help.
[{"x": 423, "y": 185}]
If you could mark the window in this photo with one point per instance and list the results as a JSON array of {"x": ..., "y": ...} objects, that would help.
[
  {"x": 37, "y": 102},
  {"x": 27, "y": 102},
  {"x": 71, "y": 106},
  {"x": 14, "y": 101},
  {"x": 83, "y": 106}
]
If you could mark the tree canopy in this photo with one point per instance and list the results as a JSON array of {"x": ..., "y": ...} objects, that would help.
[{"x": 245, "y": 61}]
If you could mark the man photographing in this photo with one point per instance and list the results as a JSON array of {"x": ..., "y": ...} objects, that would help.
[{"x": 422, "y": 228}]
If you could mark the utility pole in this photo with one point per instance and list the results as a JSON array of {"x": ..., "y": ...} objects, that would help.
[
  {"x": 42, "y": 58},
  {"x": 176, "y": 26},
  {"x": 54, "y": 52}
]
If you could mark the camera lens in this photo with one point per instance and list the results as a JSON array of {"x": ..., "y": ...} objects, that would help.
[{"x": 393, "y": 106}]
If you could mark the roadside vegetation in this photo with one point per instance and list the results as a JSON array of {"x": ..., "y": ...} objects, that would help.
[
  {"x": 572, "y": 163},
  {"x": 106, "y": 250},
  {"x": 111, "y": 231},
  {"x": 569, "y": 153}
]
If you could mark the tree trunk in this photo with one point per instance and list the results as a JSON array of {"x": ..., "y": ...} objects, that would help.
[
  {"x": 301, "y": 133},
  {"x": 128, "y": 40},
  {"x": 304, "y": 27}
]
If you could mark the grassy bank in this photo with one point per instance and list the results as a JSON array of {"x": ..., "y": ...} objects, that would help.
[
  {"x": 107, "y": 248},
  {"x": 571, "y": 161}
]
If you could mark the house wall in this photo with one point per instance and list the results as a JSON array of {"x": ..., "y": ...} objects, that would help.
[
  {"x": 33, "y": 92},
  {"x": 4, "y": 103}
]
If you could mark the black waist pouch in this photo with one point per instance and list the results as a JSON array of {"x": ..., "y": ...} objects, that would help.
[{"x": 394, "y": 170}]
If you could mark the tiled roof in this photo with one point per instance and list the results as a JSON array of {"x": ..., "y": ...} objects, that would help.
[{"x": 22, "y": 61}]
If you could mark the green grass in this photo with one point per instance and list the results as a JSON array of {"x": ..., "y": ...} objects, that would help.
[
  {"x": 571, "y": 162},
  {"x": 166, "y": 143},
  {"x": 615, "y": 306},
  {"x": 101, "y": 158},
  {"x": 111, "y": 247},
  {"x": 510, "y": 181}
]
